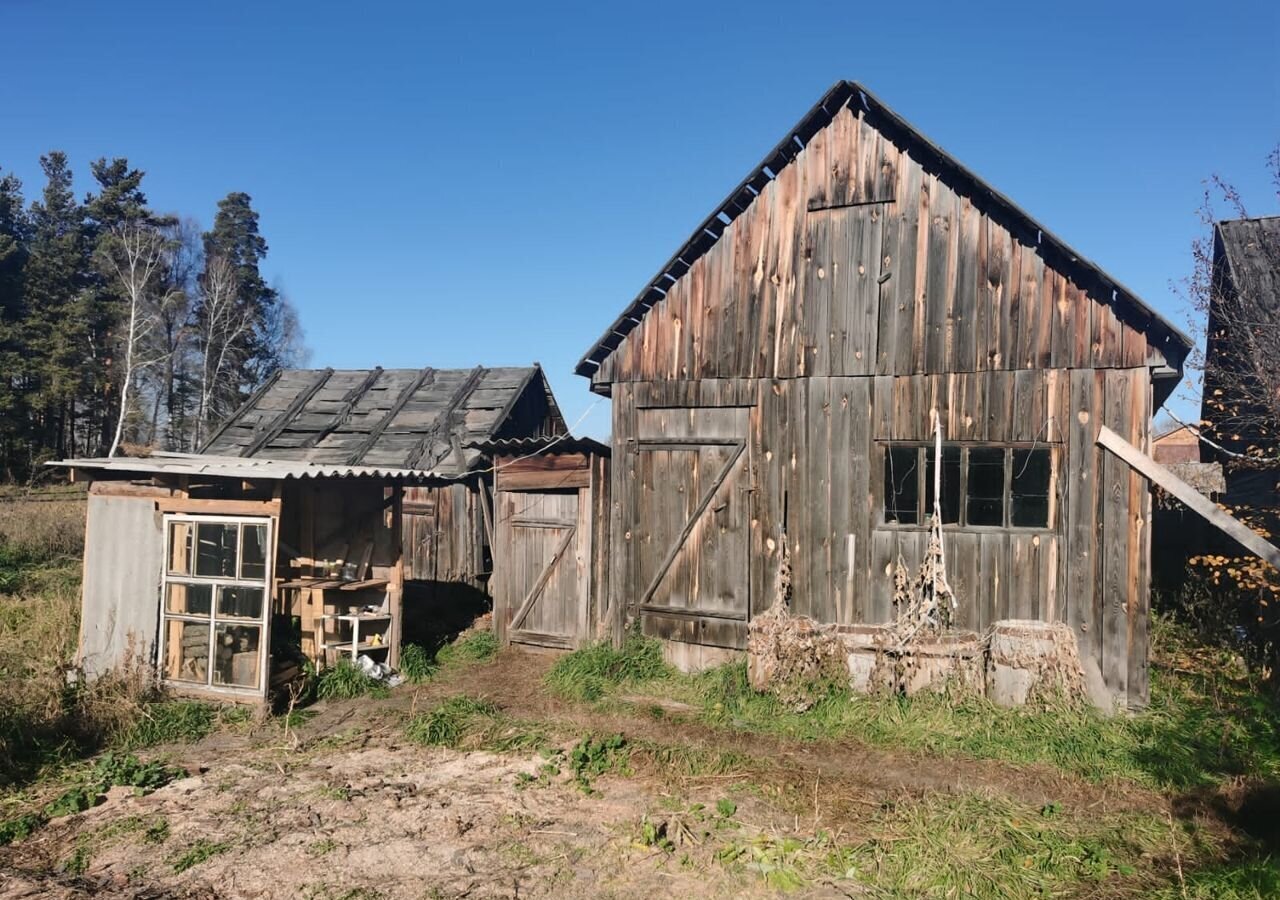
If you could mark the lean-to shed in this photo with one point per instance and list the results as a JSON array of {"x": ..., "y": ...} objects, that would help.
[
  {"x": 225, "y": 574},
  {"x": 772, "y": 390},
  {"x": 293, "y": 534}
]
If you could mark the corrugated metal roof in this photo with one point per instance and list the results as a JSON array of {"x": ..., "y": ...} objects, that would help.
[
  {"x": 400, "y": 418},
  {"x": 240, "y": 467},
  {"x": 853, "y": 94},
  {"x": 544, "y": 445}
]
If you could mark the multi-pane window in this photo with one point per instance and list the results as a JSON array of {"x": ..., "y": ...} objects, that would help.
[
  {"x": 215, "y": 601},
  {"x": 988, "y": 486}
]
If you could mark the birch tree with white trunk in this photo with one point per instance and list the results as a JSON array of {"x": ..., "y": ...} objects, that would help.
[
  {"x": 224, "y": 323},
  {"x": 136, "y": 255}
]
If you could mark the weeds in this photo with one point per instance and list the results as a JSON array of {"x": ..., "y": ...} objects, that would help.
[
  {"x": 594, "y": 756},
  {"x": 110, "y": 770},
  {"x": 201, "y": 851},
  {"x": 1207, "y": 723}
]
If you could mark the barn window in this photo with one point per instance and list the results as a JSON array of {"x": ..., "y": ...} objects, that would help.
[
  {"x": 982, "y": 486},
  {"x": 214, "y": 602},
  {"x": 902, "y": 485},
  {"x": 1029, "y": 488}
]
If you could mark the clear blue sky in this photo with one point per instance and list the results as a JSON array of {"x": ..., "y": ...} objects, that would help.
[{"x": 452, "y": 184}]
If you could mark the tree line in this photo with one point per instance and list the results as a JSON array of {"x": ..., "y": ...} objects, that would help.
[{"x": 122, "y": 325}]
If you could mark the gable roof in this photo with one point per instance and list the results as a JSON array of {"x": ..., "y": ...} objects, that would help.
[
  {"x": 1251, "y": 248},
  {"x": 424, "y": 419},
  {"x": 850, "y": 93}
]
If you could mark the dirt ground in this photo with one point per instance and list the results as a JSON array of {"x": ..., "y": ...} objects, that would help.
[{"x": 345, "y": 806}]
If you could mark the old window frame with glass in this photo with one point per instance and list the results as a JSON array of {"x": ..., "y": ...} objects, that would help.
[
  {"x": 1010, "y": 495},
  {"x": 209, "y": 587}
]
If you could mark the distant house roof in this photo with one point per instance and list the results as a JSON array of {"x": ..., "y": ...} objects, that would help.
[
  {"x": 850, "y": 93},
  {"x": 421, "y": 419},
  {"x": 1179, "y": 444}
]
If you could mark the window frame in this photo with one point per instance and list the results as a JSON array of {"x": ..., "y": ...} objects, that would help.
[
  {"x": 213, "y": 619},
  {"x": 924, "y": 448}
]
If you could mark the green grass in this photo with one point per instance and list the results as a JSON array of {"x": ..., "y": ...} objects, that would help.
[
  {"x": 1248, "y": 879},
  {"x": 448, "y": 723},
  {"x": 346, "y": 681},
  {"x": 1208, "y": 722},
  {"x": 476, "y": 646},
  {"x": 171, "y": 722},
  {"x": 589, "y": 673},
  {"x": 416, "y": 664},
  {"x": 463, "y": 722},
  {"x": 965, "y": 845}
]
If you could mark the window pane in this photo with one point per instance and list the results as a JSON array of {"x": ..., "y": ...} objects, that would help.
[
  {"x": 253, "y": 552},
  {"x": 1030, "y": 489},
  {"x": 902, "y": 485},
  {"x": 186, "y": 651},
  {"x": 985, "y": 502},
  {"x": 237, "y": 649},
  {"x": 950, "y": 484},
  {"x": 180, "y": 547},
  {"x": 189, "y": 599},
  {"x": 216, "y": 549},
  {"x": 242, "y": 602}
]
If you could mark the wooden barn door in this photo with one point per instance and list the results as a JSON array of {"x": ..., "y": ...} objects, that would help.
[
  {"x": 693, "y": 516},
  {"x": 542, "y": 584}
]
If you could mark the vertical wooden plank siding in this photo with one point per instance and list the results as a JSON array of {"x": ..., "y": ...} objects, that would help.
[{"x": 856, "y": 293}]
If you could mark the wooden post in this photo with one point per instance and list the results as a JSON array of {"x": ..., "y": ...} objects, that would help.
[{"x": 395, "y": 585}]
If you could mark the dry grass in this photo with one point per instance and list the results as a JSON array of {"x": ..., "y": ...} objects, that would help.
[
  {"x": 42, "y": 525},
  {"x": 47, "y": 714}
]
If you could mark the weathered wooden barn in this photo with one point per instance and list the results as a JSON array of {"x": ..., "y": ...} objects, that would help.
[
  {"x": 425, "y": 419},
  {"x": 772, "y": 389}
]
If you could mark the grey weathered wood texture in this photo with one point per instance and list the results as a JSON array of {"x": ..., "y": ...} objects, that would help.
[
  {"x": 856, "y": 282},
  {"x": 550, "y": 547}
]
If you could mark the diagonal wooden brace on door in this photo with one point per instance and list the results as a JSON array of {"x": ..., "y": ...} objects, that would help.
[
  {"x": 1189, "y": 496},
  {"x": 523, "y": 612},
  {"x": 739, "y": 446}
]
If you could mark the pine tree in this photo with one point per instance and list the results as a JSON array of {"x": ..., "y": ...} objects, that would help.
[
  {"x": 238, "y": 313},
  {"x": 14, "y": 416},
  {"x": 118, "y": 206},
  {"x": 55, "y": 335}
]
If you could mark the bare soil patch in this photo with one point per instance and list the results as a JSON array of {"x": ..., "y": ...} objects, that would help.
[{"x": 344, "y": 806}]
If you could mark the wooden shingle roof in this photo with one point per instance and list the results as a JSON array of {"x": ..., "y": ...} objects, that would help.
[
  {"x": 429, "y": 419},
  {"x": 1251, "y": 249}
]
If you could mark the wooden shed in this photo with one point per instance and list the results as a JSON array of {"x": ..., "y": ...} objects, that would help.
[
  {"x": 773, "y": 385},
  {"x": 419, "y": 419},
  {"x": 552, "y": 535},
  {"x": 224, "y": 574}
]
